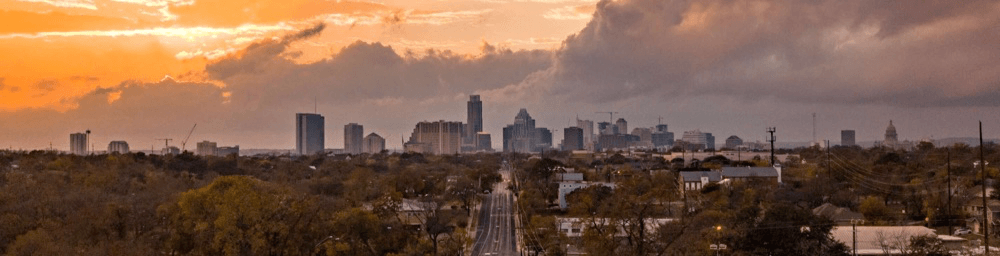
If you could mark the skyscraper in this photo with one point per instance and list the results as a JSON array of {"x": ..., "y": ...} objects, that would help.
[
  {"x": 543, "y": 139},
  {"x": 207, "y": 148},
  {"x": 353, "y": 136},
  {"x": 309, "y": 137},
  {"x": 474, "y": 119},
  {"x": 645, "y": 137},
  {"x": 588, "y": 133},
  {"x": 605, "y": 128},
  {"x": 120, "y": 147},
  {"x": 847, "y": 138},
  {"x": 662, "y": 138},
  {"x": 439, "y": 137},
  {"x": 78, "y": 143},
  {"x": 661, "y": 128},
  {"x": 709, "y": 141},
  {"x": 485, "y": 142},
  {"x": 572, "y": 138},
  {"x": 523, "y": 136},
  {"x": 621, "y": 126},
  {"x": 373, "y": 144}
]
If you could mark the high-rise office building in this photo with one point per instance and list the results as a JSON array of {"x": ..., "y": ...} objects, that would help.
[
  {"x": 588, "y": 133},
  {"x": 621, "y": 126},
  {"x": 522, "y": 134},
  {"x": 373, "y": 144},
  {"x": 572, "y": 138},
  {"x": 695, "y": 140},
  {"x": 474, "y": 118},
  {"x": 709, "y": 141},
  {"x": 645, "y": 137},
  {"x": 663, "y": 139},
  {"x": 353, "y": 136},
  {"x": 485, "y": 142},
  {"x": 543, "y": 139},
  {"x": 661, "y": 128},
  {"x": 733, "y": 142},
  {"x": 439, "y": 137},
  {"x": 78, "y": 143},
  {"x": 309, "y": 137},
  {"x": 207, "y": 148},
  {"x": 605, "y": 128},
  {"x": 118, "y": 146},
  {"x": 847, "y": 138}
]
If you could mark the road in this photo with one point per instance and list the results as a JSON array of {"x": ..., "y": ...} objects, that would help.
[{"x": 496, "y": 233}]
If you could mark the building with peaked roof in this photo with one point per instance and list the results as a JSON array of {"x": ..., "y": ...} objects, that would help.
[
  {"x": 752, "y": 174},
  {"x": 523, "y": 136},
  {"x": 733, "y": 142},
  {"x": 693, "y": 181},
  {"x": 373, "y": 144},
  {"x": 840, "y": 215}
]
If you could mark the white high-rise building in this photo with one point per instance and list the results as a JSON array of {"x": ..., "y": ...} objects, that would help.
[
  {"x": 120, "y": 147},
  {"x": 78, "y": 143},
  {"x": 353, "y": 136},
  {"x": 207, "y": 148},
  {"x": 588, "y": 133},
  {"x": 373, "y": 144}
]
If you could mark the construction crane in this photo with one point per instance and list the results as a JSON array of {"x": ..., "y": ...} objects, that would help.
[
  {"x": 184, "y": 143},
  {"x": 612, "y": 113}
]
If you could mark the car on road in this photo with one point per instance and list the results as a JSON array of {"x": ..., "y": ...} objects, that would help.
[{"x": 963, "y": 231}]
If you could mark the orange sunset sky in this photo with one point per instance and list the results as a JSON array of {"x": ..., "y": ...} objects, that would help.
[{"x": 137, "y": 70}]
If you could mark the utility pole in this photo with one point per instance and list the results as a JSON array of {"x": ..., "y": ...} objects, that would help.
[
  {"x": 948, "y": 209},
  {"x": 829, "y": 172},
  {"x": 771, "y": 139},
  {"x": 854, "y": 236},
  {"x": 982, "y": 168}
]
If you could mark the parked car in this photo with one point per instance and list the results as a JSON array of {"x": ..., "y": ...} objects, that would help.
[{"x": 963, "y": 231}]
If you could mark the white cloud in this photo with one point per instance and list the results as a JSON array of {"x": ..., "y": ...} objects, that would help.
[
  {"x": 85, "y": 4},
  {"x": 567, "y": 13},
  {"x": 190, "y": 33}
]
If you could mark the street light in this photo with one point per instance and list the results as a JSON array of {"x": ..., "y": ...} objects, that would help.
[{"x": 718, "y": 246}]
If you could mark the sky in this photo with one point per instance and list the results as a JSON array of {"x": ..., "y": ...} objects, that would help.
[{"x": 139, "y": 70}]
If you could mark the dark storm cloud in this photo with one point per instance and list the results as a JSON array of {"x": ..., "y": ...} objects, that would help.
[
  {"x": 360, "y": 71},
  {"x": 897, "y": 53}
]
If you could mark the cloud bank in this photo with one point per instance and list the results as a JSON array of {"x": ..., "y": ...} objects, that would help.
[{"x": 847, "y": 55}]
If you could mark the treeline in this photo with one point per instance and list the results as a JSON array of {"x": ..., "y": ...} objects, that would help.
[
  {"x": 137, "y": 204},
  {"x": 888, "y": 186}
]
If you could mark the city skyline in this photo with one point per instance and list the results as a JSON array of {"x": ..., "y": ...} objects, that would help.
[{"x": 153, "y": 68}]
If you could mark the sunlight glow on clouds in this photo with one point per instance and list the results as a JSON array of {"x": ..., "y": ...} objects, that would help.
[{"x": 85, "y": 4}]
